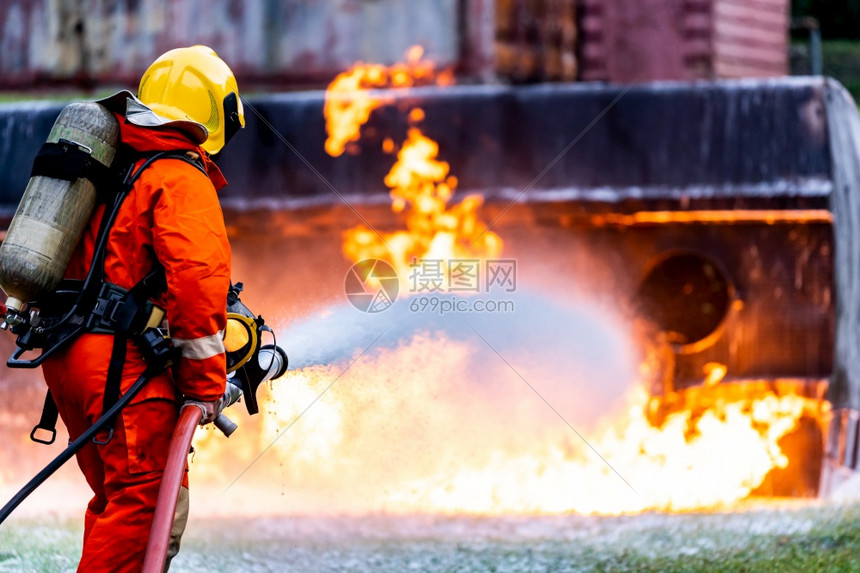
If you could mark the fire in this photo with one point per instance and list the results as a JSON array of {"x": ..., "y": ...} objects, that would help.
[
  {"x": 349, "y": 103},
  {"x": 420, "y": 184},
  {"x": 420, "y": 439},
  {"x": 438, "y": 424},
  {"x": 714, "y": 373},
  {"x": 685, "y": 465}
]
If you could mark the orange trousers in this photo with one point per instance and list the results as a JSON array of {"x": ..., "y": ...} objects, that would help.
[{"x": 124, "y": 474}]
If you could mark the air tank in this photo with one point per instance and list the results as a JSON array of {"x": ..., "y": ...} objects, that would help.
[{"x": 53, "y": 213}]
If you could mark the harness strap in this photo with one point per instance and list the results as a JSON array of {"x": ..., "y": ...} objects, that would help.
[
  {"x": 112, "y": 384},
  {"x": 122, "y": 316},
  {"x": 125, "y": 318},
  {"x": 119, "y": 310},
  {"x": 128, "y": 318},
  {"x": 187, "y": 158},
  {"x": 68, "y": 161},
  {"x": 48, "y": 421}
]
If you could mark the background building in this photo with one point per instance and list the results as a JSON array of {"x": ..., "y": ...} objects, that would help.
[{"x": 298, "y": 43}]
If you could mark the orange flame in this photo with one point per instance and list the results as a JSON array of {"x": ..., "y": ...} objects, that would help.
[
  {"x": 420, "y": 183},
  {"x": 686, "y": 464},
  {"x": 374, "y": 445},
  {"x": 365, "y": 447},
  {"x": 349, "y": 103},
  {"x": 422, "y": 187}
]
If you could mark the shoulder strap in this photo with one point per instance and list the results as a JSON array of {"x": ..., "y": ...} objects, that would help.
[
  {"x": 141, "y": 290},
  {"x": 68, "y": 161},
  {"x": 96, "y": 274},
  {"x": 191, "y": 158}
]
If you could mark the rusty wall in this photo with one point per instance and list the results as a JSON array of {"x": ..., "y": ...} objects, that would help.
[
  {"x": 536, "y": 40},
  {"x": 641, "y": 40},
  {"x": 89, "y": 42},
  {"x": 292, "y": 43}
]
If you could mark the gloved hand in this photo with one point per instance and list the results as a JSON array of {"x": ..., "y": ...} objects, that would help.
[{"x": 210, "y": 409}]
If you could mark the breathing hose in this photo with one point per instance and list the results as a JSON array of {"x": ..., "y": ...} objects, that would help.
[{"x": 75, "y": 446}]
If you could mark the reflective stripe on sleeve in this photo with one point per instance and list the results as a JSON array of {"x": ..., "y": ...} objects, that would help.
[{"x": 201, "y": 348}]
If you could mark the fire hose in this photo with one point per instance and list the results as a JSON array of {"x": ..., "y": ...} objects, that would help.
[
  {"x": 168, "y": 493},
  {"x": 270, "y": 362},
  {"x": 165, "y": 507}
]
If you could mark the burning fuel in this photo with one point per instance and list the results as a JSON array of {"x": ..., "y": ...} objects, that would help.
[
  {"x": 349, "y": 102},
  {"x": 543, "y": 411},
  {"x": 430, "y": 420},
  {"x": 420, "y": 184}
]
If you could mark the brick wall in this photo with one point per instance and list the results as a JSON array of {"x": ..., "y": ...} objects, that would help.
[{"x": 640, "y": 40}]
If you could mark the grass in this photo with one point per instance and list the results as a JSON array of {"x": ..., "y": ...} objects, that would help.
[
  {"x": 39, "y": 545},
  {"x": 841, "y": 59},
  {"x": 53, "y": 95},
  {"x": 806, "y": 539},
  {"x": 826, "y": 547}
]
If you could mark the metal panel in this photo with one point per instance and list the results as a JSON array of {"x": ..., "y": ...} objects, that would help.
[
  {"x": 101, "y": 42},
  {"x": 740, "y": 144}
]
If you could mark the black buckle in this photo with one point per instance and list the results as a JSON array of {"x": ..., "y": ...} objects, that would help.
[
  {"x": 111, "y": 311},
  {"x": 38, "y": 440},
  {"x": 108, "y": 305},
  {"x": 157, "y": 350},
  {"x": 98, "y": 442}
]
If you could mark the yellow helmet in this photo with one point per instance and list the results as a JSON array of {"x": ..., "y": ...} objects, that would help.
[{"x": 195, "y": 84}]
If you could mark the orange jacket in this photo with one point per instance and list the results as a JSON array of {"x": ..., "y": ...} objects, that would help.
[{"x": 172, "y": 215}]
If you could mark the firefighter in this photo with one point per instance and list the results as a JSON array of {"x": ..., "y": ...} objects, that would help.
[{"x": 187, "y": 102}]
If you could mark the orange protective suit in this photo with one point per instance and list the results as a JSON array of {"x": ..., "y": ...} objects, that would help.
[{"x": 172, "y": 215}]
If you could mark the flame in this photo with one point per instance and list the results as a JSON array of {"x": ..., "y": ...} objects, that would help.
[
  {"x": 420, "y": 184},
  {"x": 727, "y": 454},
  {"x": 714, "y": 373},
  {"x": 349, "y": 103},
  {"x": 419, "y": 439},
  {"x": 422, "y": 427}
]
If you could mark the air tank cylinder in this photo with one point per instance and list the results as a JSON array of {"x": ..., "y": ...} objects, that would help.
[{"x": 53, "y": 213}]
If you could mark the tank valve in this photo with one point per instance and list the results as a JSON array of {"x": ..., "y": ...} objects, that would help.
[{"x": 13, "y": 319}]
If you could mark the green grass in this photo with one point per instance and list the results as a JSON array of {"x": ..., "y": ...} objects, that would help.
[
  {"x": 806, "y": 539},
  {"x": 827, "y": 547},
  {"x": 40, "y": 545},
  {"x": 53, "y": 95},
  {"x": 841, "y": 59}
]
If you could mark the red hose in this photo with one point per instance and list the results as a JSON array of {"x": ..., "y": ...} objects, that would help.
[{"x": 165, "y": 507}]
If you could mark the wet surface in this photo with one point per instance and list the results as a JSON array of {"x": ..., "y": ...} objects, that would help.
[{"x": 761, "y": 535}]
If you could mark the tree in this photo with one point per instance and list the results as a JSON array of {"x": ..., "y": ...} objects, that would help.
[{"x": 837, "y": 18}]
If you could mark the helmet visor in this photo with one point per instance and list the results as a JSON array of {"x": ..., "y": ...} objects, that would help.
[{"x": 233, "y": 121}]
